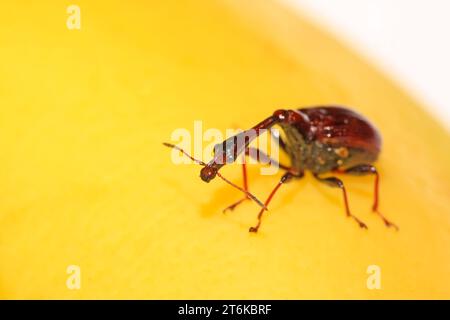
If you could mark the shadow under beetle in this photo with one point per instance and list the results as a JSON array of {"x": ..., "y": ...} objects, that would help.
[{"x": 322, "y": 139}]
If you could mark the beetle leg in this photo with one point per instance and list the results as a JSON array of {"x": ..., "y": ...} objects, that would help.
[
  {"x": 260, "y": 156},
  {"x": 365, "y": 169},
  {"x": 285, "y": 178},
  {"x": 337, "y": 183},
  {"x": 245, "y": 181}
]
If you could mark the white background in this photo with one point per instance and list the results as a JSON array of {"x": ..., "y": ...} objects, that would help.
[{"x": 408, "y": 39}]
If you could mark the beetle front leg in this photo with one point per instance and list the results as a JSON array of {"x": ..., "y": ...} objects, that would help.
[
  {"x": 365, "y": 169},
  {"x": 337, "y": 183},
  {"x": 245, "y": 187},
  {"x": 259, "y": 156},
  {"x": 285, "y": 178}
]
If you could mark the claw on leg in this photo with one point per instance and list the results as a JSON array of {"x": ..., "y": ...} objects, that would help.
[
  {"x": 365, "y": 169},
  {"x": 234, "y": 205},
  {"x": 386, "y": 221},
  {"x": 361, "y": 224}
]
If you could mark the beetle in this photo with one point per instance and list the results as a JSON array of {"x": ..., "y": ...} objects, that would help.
[{"x": 319, "y": 139}]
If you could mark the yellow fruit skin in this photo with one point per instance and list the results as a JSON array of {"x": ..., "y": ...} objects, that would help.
[{"x": 84, "y": 179}]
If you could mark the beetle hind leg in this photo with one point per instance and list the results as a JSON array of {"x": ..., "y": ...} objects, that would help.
[
  {"x": 337, "y": 183},
  {"x": 366, "y": 169}
]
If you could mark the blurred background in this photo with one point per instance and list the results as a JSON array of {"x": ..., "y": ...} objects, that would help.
[
  {"x": 92, "y": 206},
  {"x": 407, "y": 39}
]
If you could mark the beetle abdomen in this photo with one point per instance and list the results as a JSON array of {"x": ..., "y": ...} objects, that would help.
[{"x": 340, "y": 127}]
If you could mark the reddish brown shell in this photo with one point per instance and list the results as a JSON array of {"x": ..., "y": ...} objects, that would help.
[{"x": 341, "y": 127}]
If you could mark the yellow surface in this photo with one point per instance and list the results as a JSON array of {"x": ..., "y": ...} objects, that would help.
[{"x": 84, "y": 179}]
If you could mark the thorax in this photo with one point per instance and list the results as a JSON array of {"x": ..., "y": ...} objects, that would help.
[{"x": 318, "y": 157}]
